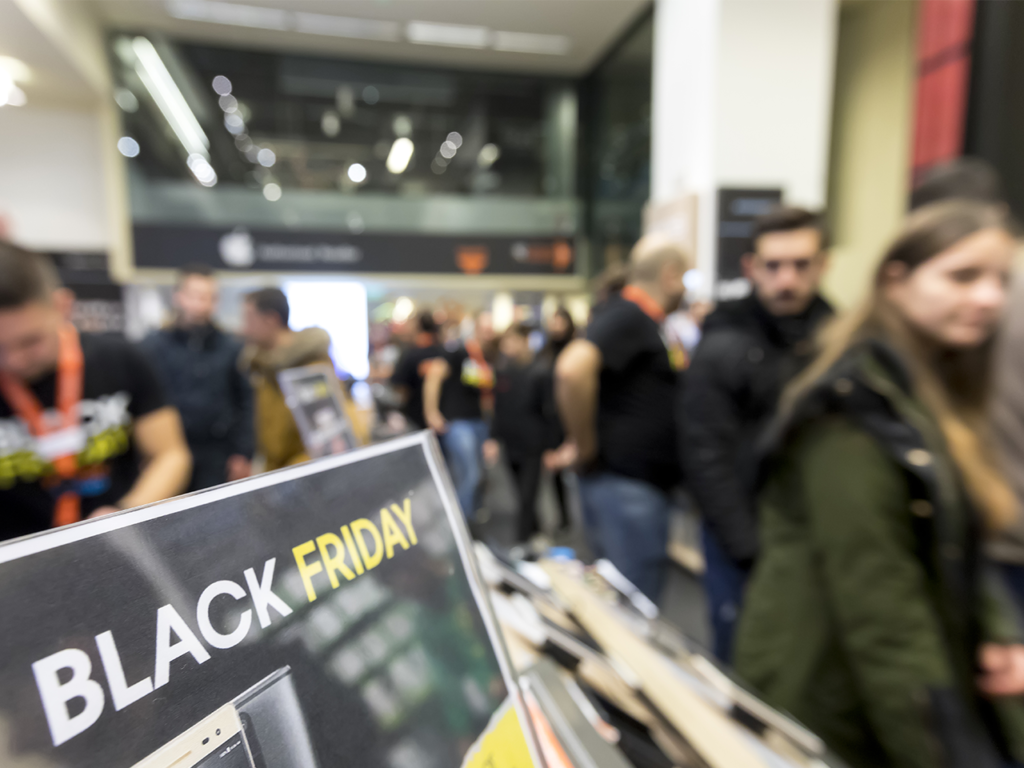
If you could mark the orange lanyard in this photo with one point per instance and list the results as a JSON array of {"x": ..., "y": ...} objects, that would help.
[
  {"x": 70, "y": 374},
  {"x": 642, "y": 299}
]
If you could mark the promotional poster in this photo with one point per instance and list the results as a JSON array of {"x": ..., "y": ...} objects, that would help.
[
  {"x": 313, "y": 395},
  {"x": 324, "y": 615}
]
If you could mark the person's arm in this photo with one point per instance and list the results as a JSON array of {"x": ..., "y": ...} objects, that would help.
[
  {"x": 167, "y": 463},
  {"x": 709, "y": 428},
  {"x": 877, "y": 590},
  {"x": 241, "y": 438},
  {"x": 577, "y": 379},
  {"x": 437, "y": 372}
]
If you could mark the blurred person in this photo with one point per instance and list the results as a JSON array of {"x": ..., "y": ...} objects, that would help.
[
  {"x": 412, "y": 367},
  {"x": 867, "y": 616},
  {"x": 454, "y": 388},
  {"x": 561, "y": 330},
  {"x": 197, "y": 363},
  {"x": 518, "y": 425},
  {"x": 749, "y": 351},
  {"x": 974, "y": 179},
  {"x": 273, "y": 347},
  {"x": 84, "y": 428},
  {"x": 615, "y": 391}
]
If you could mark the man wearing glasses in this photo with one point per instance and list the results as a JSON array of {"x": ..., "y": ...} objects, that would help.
[{"x": 750, "y": 350}]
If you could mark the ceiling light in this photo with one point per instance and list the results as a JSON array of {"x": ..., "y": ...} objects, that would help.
[
  {"x": 12, "y": 96},
  {"x": 126, "y": 100},
  {"x": 448, "y": 150},
  {"x": 221, "y": 85},
  {"x": 489, "y": 154},
  {"x": 161, "y": 86},
  {"x": 371, "y": 95},
  {"x": 346, "y": 26},
  {"x": 400, "y": 154},
  {"x": 272, "y": 192},
  {"x": 330, "y": 123},
  {"x": 527, "y": 42},
  {"x": 16, "y": 69},
  {"x": 252, "y": 153},
  {"x": 229, "y": 13},
  {"x": 266, "y": 157},
  {"x": 458, "y": 35},
  {"x": 234, "y": 123},
  {"x": 402, "y": 125},
  {"x": 455, "y": 139},
  {"x": 404, "y": 308},
  {"x": 357, "y": 173},
  {"x": 202, "y": 170},
  {"x": 243, "y": 142},
  {"x": 128, "y": 146},
  {"x": 438, "y": 166},
  {"x": 227, "y": 102}
]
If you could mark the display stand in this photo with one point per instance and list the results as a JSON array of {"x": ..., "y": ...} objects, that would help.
[{"x": 327, "y": 614}]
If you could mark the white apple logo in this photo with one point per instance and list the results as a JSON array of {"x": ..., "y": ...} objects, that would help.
[{"x": 237, "y": 248}]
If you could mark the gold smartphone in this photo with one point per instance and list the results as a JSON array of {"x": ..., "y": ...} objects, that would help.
[{"x": 217, "y": 741}]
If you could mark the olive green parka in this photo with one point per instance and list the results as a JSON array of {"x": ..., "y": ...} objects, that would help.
[{"x": 869, "y": 600}]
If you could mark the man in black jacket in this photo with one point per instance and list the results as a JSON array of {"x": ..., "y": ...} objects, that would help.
[
  {"x": 750, "y": 350},
  {"x": 198, "y": 365}
]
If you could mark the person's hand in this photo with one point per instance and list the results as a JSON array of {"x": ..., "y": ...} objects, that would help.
[
  {"x": 107, "y": 509},
  {"x": 238, "y": 467},
  {"x": 1002, "y": 670},
  {"x": 437, "y": 422},
  {"x": 491, "y": 451},
  {"x": 562, "y": 457}
]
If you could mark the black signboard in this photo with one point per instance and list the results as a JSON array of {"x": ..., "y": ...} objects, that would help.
[
  {"x": 245, "y": 248},
  {"x": 737, "y": 210},
  {"x": 328, "y": 614}
]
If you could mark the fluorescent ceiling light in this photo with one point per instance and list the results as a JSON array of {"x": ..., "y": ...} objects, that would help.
[
  {"x": 202, "y": 170},
  {"x": 16, "y": 69},
  {"x": 161, "y": 86},
  {"x": 419, "y": 32},
  {"x": 457, "y": 35},
  {"x": 527, "y": 42},
  {"x": 400, "y": 155},
  {"x": 229, "y": 13},
  {"x": 346, "y": 26}
]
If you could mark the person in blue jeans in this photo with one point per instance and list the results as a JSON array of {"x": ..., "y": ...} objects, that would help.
[
  {"x": 616, "y": 392},
  {"x": 452, "y": 391}
]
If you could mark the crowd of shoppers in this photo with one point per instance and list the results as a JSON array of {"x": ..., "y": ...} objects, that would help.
[{"x": 859, "y": 476}]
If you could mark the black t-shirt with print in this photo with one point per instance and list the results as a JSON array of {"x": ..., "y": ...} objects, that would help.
[
  {"x": 460, "y": 394},
  {"x": 118, "y": 386},
  {"x": 635, "y": 415},
  {"x": 409, "y": 373}
]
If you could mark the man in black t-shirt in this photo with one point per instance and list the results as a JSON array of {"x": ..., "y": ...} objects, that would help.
[
  {"x": 452, "y": 391},
  {"x": 616, "y": 391},
  {"x": 84, "y": 428},
  {"x": 411, "y": 368}
]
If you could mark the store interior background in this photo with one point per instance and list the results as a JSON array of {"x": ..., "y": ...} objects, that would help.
[{"x": 526, "y": 123}]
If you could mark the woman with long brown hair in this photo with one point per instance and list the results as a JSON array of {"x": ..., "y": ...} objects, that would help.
[{"x": 868, "y": 615}]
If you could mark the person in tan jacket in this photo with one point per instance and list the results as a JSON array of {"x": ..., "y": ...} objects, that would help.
[{"x": 274, "y": 347}]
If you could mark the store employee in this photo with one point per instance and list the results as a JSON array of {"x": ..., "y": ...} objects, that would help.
[{"x": 84, "y": 428}]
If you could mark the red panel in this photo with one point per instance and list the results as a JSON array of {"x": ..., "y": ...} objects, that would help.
[{"x": 945, "y": 33}]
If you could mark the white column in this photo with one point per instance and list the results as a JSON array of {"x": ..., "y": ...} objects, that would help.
[{"x": 742, "y": 98}]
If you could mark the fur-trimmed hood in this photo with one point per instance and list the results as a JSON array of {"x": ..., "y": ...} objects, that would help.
[{"x": 307, "y": 346}]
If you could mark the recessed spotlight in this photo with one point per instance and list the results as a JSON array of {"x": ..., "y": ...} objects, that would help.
[
  {"x": 272, "y": 192},
  {"x": 128, "y": 146},
  {"x": 266, "y": 157},
  {"x": 371, "y": 95},
  {"x": 221, "y": 85},
  {"x": 357, "y": 173}
]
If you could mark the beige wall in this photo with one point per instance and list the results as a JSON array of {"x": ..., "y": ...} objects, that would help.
[{"x": 871, "y": 139}]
